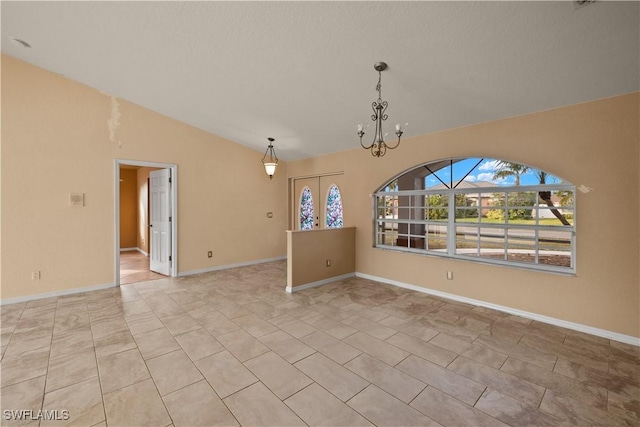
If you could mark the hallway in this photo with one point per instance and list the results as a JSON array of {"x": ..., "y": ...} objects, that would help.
[{"x": 134, "y": 268}]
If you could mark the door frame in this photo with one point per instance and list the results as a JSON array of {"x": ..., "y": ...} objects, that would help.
[{"x": 174, "y": 211}]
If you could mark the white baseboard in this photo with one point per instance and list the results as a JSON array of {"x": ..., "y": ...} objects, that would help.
[
  {"x": 56, "y": 294},
  {"x": 134, "y": 249},
  {"x": 628, "y": 339},
  {"x": 227, "y": 266},
  {"x": 318, "y": 283},
  {"x": 142, "y": 252}
]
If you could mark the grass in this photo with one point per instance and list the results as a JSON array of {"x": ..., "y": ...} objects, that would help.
[{"x": 542, "y": 221}]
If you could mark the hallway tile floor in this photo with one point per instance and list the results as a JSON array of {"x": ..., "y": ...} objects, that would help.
[
  {"x": 233, "y": 348},
  {"x": 134, "y": 268}
]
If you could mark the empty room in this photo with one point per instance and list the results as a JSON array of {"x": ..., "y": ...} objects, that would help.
[{"x": 320, "y": 213}]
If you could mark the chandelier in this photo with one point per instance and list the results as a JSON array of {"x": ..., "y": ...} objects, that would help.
[
  {"x": 379, "y": 147},
  {"x": 270, "y": 160}
]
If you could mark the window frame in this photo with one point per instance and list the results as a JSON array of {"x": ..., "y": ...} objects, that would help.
[{"x": 450, "y": 224}]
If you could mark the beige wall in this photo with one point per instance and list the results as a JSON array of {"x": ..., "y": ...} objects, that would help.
[
  {"x": 57, "y": 132},
  {"x": 128, "y": 208},
  {"x": 308, "y": 252},
  {"x": 593, "y": 144}
]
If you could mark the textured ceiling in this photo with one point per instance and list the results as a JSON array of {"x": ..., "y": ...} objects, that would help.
[{"x": 302, "y": 72}]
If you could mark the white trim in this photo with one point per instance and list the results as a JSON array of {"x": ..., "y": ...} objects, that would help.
[
  {"x": 227, "y": 266},
  {"x": 142, "y": 252},
  {"x": 174, "y": 207},
  {"x": 628, "y": 339},
  {"x": 291, "y": 290},
  {"x": 134, "y": 249},
  {"x": 56, "y": 294}
]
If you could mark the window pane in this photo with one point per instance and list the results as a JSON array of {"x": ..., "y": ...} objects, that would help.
[
  {"x": 334, "y": 208},
  {"x": 387, "y": 233},
  {"x": 555, "y": 248},
  {"x": 437, "y": 207},
  {"x": 560, "y": 199},
  {"x": 556, "y": 207},
  {"x": 554, "y": 216},
  {"x": 437, "y": 237},
  {"x": 521, "y": 245},
  {"x": 466, "y": 207},
  {"x": 492, "y": 243},
  {"x": 467, "y": 240},
  {"x": 306, "y": 210}
]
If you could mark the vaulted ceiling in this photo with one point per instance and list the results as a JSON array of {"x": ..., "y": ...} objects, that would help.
[{"x": 302, "y": 72}]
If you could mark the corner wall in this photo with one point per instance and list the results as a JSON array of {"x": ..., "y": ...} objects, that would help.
[
  {"x": 594, "y": 145},
  {"x": 65, "y": 137},
  {"x": 316, "y": 256}
]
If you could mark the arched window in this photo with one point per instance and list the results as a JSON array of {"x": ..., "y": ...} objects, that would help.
[
  {"x": 486, "y": 210},
  {"x": 334, "y": 208},
  {"x": 306, "y": 209}
]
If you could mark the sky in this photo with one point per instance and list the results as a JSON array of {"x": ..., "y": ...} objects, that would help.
[{"x": 483, "y": 170}]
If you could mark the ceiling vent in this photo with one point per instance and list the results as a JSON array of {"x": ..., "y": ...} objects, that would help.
[{"x": 581, "y": 3}]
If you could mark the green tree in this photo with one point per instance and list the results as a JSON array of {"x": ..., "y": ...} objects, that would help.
[
  {"x": 437, "y": 205},
  {"x": 508, "y": 169}
]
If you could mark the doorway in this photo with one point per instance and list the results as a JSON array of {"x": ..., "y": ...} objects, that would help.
[
  {"x": 140, "y": 205},
  {"x": 309, "y": 197}
]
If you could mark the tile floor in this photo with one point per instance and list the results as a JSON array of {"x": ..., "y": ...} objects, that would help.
[
  {"x": 232, "y": 348},
  {"x": 134, "y": 268}
]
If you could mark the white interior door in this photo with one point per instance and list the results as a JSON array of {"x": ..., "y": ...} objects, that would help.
[{"x": 160, "y": 222}]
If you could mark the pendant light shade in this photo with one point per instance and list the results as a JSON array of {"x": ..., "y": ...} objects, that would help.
[{"x": 270, "y": 160}]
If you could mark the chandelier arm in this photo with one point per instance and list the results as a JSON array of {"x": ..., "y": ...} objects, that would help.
[
  {"x": 366, "y": 147},
  {"x": 399, "y": 133}
]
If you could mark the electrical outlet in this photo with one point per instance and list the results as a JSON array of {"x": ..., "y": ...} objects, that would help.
[
  {"x": 449, "y": 275},
  {"x": 210, "y": 254},
  {"x": 35, "y": 275},
  {"x": 328, "y": 263}
]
